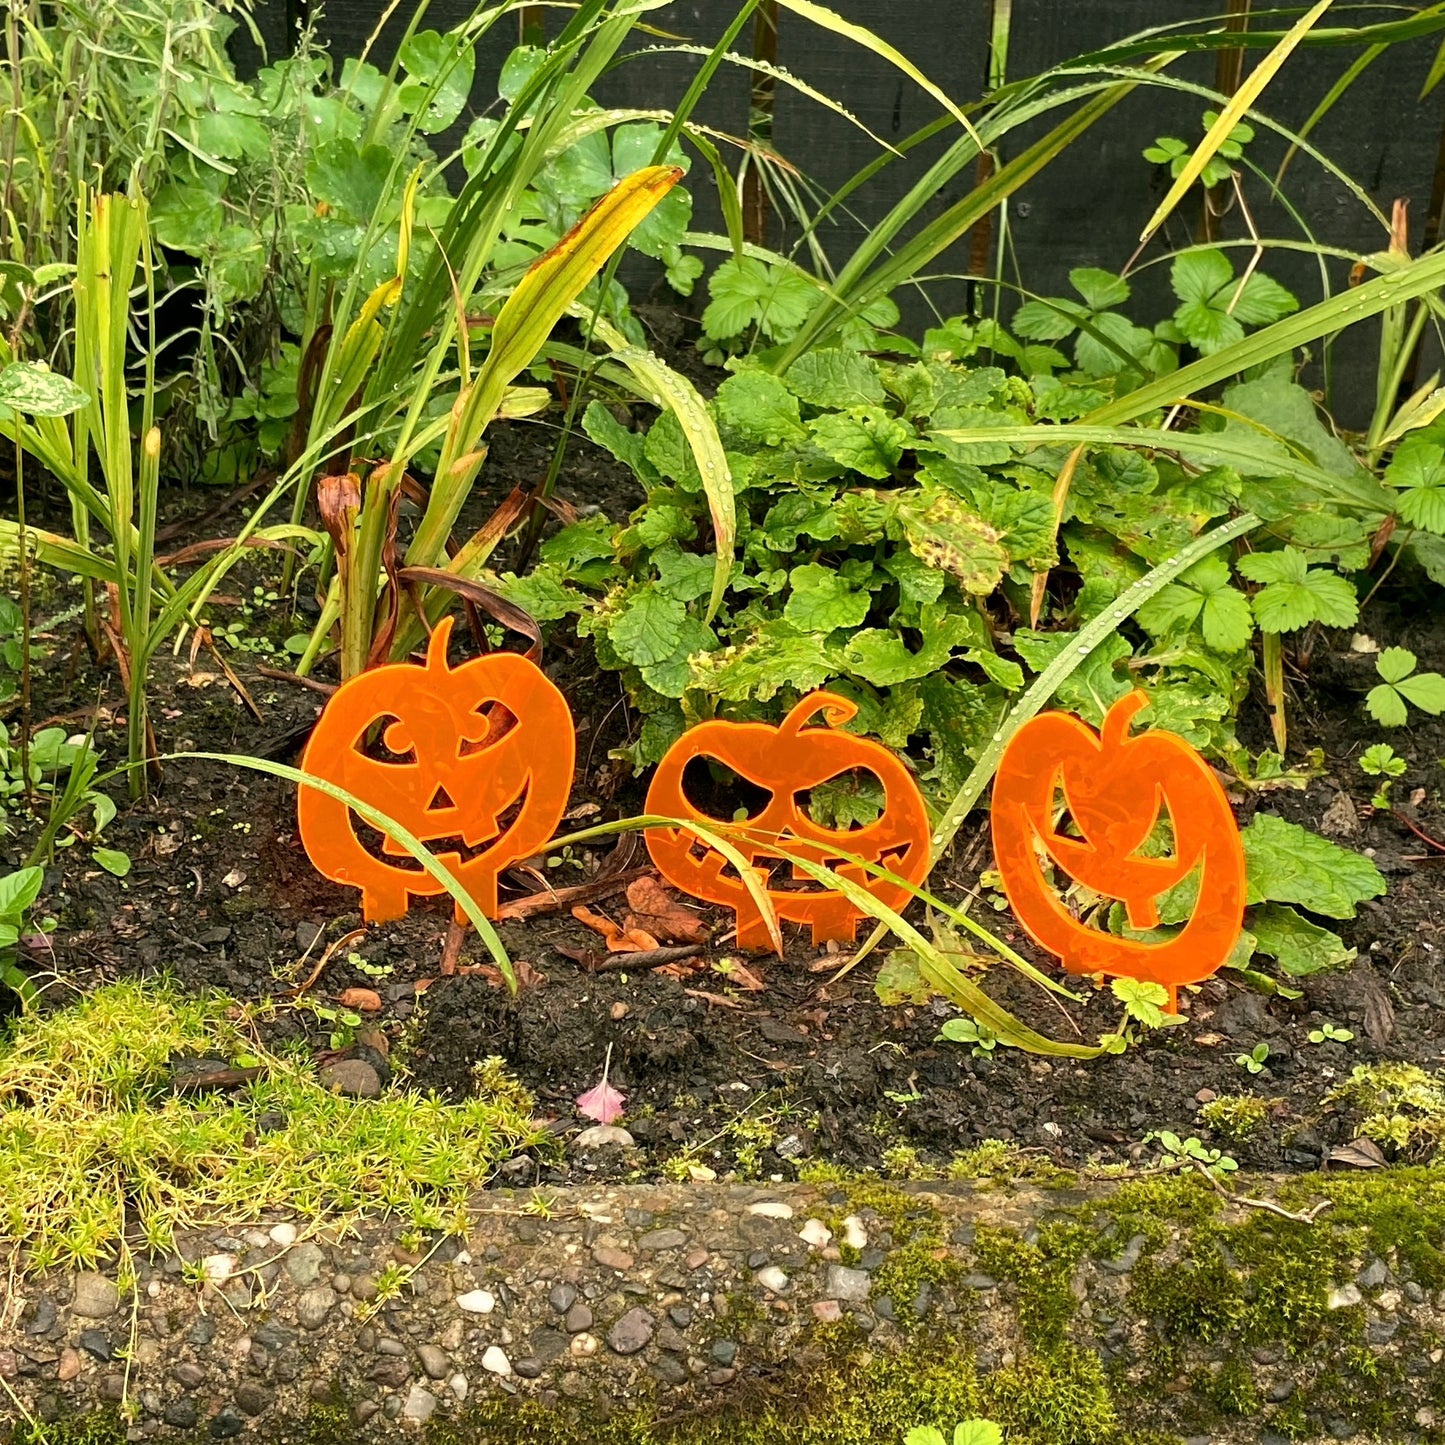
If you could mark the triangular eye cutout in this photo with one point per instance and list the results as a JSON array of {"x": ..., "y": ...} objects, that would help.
[{"x": 439, "y": 800}]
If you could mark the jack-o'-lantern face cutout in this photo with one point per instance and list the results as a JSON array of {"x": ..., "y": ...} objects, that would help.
[
  {"x": 1116, "y": 789},
  {"x": 784, "y": 763},
  {"x": 476, "y": 761}
]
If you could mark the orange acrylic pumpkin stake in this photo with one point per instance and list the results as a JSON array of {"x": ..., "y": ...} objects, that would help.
[
  {"x": 1114, "y": 786},
  {"x": 462, "y": 747},
  {"x": 786, "y": 761}
]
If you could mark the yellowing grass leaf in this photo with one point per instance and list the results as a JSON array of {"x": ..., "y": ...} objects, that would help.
[
  {"x": 827, "y": 19},
  {"x": 1233, "y": 113}
]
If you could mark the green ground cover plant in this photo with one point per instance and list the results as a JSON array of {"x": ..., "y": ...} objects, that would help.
[{"x": 95, "y": 1139}]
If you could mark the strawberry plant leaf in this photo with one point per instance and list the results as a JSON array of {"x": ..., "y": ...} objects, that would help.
[
  {"x": 1296, "y": 594},
  {"x": 1289, "y": 864},
  {"x": 1395, "y": 664},
  {"x": 1386, "y": 706},
  {"x": 1418, "y": 468},
  {"x": 1426, "y": 690},
  {"x": 1203, "y": 595}
]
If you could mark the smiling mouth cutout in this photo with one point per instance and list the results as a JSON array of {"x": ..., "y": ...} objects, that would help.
[{"x": 455, "y": 849}]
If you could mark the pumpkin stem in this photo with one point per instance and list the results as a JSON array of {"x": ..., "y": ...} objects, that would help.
[
  {"x": 436, "y": 648},
  {"x": 836, "y": 711},
  {"x": 1117, "y": 720}
]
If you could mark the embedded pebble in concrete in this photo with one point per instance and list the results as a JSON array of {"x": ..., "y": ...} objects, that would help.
[{"x": 678, "y": 1296}]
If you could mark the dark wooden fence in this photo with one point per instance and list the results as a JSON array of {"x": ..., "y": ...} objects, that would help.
[{"x": 1086, "y": 209}]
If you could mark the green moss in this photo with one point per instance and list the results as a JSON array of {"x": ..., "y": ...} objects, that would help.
[
  {"x": 1196, "y": 1298},
  {"x": 1059, "y": 1397},
  {"x": 1402, "y": 1106},
  {"x": 1041, "y": 1274},
  {"x": 1237, "y": 1117},
  {"x": 104, "y": 1427},
  {"x": 1231, "y": 1388},
  {"x": 93, "y": 1145}
]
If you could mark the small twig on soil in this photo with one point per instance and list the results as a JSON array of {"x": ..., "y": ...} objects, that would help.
[
  {"x": 1308, "y": 1217},
  {"x": 553, "y": 900},
  {"x": 452, "y": 948},
  {"x": 642, "y": 958},
  {"x": 280, "y": 674},
  {"x": 310, "y": 980},
  {"x": 1419, "y": 832}
]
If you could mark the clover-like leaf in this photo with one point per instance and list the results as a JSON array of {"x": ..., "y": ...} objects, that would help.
[
  {"x": 1388, "y": 701},
  {"x": 1418, "y": 468},
  {"x": 1202, "y": 595},
  {"x": 1296, "y": 594}
]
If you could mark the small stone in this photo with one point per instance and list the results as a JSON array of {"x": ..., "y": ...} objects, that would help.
[
  {"x": 314, "y": 1305},
  {"x": 979, "y": 1281},
  {"x": 1381, "y": 1332},
  {"x": 94, "y": 1342},
  {"x": 391, "y": 1371},
  {"x": 303, "y": 1264},
  {"x": 477, "y": 1302},
  {"x": 181, "y": 1414},
  {"x": 680, "y": 1315},
  {"x": 696, "y": 1259},
  {"x": 189, "y": 1376},
  {"x": 353, "y": 1077},
  {"x": 724, "y": 1352},
  {"x": 617, "y": 1259},
  {"x": 227, "y": 1424},
  {"x": 815, "y": 1234},
  {"x": 827, "y": 1311},
  {"x": 758, "y": 1258},
  {"x": 495, "y": 1361},
  {"x": 604, "y": 1136},
  {"x": 1205, "y": 1096},
  {"x": 670, "y": 1370},
  {"x": 854, "y": 1235},
  {"x": 771, "y": 1209},
  {"x": 388, "y": 1346},
  {"x": 671, "y": 1340},
  {"x": 437, "y": 1363},
  {"x": 96, "y": 1297},
  {"x": 529, "y": 1369},
  {"x": 420, "y": 1405},
  {"x": 1126, "y": 1261},
  {"x": 619, "y": 1011},
  {"x": 458, "y": 1386},
  {"x": 851, "y": 1286},
  {"x": 578, "y": 1319},
  {"x": 721, "y": 1377},
  {"x": 283, "y": 1236},
  {"x": 584, "y": 1346},
  {"x": 1344, "y": 1297},
  {"x": 1373, "y": 1275},
  {"x": 631, "y": 1333},
  {"x": 253, "y": 1400},
  {"x": 43, "y": 1317},
  {"x": 562, "y": 1298},
  {"x": 70, "y": 1365},
  {"x": 659, "y": 1239},
  {"x": 773, "y": 1279},
  {"x": 218, "y": 1268},
  {"x": 1280, "y": 1391}
]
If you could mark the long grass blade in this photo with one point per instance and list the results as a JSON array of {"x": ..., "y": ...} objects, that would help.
[{"x": 1250, "y": 91}]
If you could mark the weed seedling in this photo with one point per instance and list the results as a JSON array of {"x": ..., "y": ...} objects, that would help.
[
  {"x": 1186, "y": 1153},
  {"x": 1401, "y": 687},
  {"x": 1381, "y": 761},
  {"x": 1253, "y": 1061},
  {"x": 1331, "y": 1033}
]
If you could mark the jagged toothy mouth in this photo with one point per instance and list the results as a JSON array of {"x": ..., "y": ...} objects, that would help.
[{"x": 455, "y": 849}]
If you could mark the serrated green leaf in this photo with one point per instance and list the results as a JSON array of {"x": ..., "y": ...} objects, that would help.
[
  {"x": 865, "y": 440},
  {"x": 1101, "y": 290},
  {"x": 837, "y": 378},
  {"x": 1297, "y": 594},
  {"x": 1426, "y": 690},
  {"x": 648, "y": 628},
  {"x": 822, "y": 601},
  {"x": 884, "y": 659},
  {"x": 1289, "y": 864},
  {"x": 1386, "y": 706},
  {"x": 1395, "y": 663},
  {"x": 775, "y": 657},
  {"x": 1301, "y": 947},
  {"x": 757, "y": 404}
]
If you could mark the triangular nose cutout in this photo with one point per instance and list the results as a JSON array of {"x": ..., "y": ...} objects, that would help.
[{"x": 440, "y": 799}]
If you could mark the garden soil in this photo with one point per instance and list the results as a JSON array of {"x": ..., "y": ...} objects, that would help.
[{"x": 809, "y": 1066}]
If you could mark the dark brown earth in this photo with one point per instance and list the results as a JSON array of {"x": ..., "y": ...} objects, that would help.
[{"x": 810, "y": 1068}]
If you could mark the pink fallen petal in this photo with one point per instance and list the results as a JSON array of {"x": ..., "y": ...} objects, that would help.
[{"x": 604, "y": 1103}]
